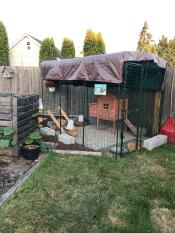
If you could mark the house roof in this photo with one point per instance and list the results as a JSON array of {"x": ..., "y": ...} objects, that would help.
[{"x": 37, "y": 41}]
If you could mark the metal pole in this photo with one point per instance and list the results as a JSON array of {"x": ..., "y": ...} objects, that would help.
[
  {"x": 123, "y": 108},
  {"x": 42, "y": 93},
  {"x": 139, "y": 111},
  {"x": 60, "y": 103},
  {"x": 118, "y": 122},
  {"x": 84, "y": 110},
  {"x": 67, "y": 97}
]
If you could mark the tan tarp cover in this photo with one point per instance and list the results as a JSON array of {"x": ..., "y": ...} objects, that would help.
[{"x": 98, "y": 68}]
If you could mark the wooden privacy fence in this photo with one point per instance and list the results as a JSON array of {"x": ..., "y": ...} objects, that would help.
[
  {"x": 26, "y": 80},
  {"x": 168, "y": 102}
]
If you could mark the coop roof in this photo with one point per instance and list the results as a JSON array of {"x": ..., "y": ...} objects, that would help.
[{"x": 98, "y": 68}]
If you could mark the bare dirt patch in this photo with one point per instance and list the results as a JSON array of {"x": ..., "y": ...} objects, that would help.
[
  {"x": 147, "y": 165},
  {"x": 11, "y": 169},
  {"x": 115, "y": 215},
  {"x": 163, "y": 219}
]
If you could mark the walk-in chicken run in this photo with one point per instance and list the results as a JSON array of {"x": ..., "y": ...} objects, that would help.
[{"x": 103, "y": 102}]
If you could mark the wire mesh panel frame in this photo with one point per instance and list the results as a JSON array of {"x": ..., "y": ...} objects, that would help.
[{"x": 126, "y": 86}]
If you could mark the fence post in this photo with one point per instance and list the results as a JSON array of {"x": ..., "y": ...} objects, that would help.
[{"x": 155, "y": 127}]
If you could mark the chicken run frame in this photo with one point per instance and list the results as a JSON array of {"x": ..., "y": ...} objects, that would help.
[{"x": 127, "y": 109}]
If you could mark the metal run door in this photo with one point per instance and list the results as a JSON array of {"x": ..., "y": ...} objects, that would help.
[{"x": 129, "y": 127}]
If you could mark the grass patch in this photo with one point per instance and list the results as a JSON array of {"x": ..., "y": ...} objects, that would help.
[{"x": 76, "y": 194}]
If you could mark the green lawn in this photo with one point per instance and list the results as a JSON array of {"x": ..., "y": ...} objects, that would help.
[{"x": 76, "y": 194}]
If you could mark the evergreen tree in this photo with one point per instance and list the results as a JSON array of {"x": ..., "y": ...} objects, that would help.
[
  {"x": 89, "y": 43},
  {"x": 93, "y": 43},
  {"x": 48, "y": 50},
  {"x": 166, "y": 50},
  {"x": 145, "y": 40},
  {"x": 68, "y": 48},
  {"x": 100, "y": 44},
  {"x": 171, "y": 53},
  {"x": 4, "y": 46},
  {"x": 163, "y": 47}
]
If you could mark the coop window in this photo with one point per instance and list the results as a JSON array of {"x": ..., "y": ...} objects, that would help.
[{"x": 105, "y": 106}]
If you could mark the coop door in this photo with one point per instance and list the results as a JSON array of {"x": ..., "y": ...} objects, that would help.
[{"x": 132, "y": 109}]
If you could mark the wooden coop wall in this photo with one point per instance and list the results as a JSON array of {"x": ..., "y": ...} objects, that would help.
[{"x": 107, "y": 108}]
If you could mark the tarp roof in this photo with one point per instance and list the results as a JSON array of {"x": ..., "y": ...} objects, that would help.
[{"x": 97, "y": 68}]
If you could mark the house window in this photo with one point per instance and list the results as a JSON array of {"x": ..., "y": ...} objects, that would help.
[{"x": 28, "y": 44}]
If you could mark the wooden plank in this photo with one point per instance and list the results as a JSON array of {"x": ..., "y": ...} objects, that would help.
[
  {"x": 15, "y": 150},
  {"x": 6, "y": 94},
  {"x": 54, "y": 119},
  {"x": 156, "y": 116},
  {"x": 6, "y": 123},
  {"x": 64, "y": 114},
  {"x": 130, "y": 126},
  {"x": 5, "y": 102},
  {"x": 7, "y": 117},
  {"x": 5, "y": 111}
]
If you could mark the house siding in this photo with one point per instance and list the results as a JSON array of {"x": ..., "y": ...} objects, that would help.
[{"x": 20, "y": 55}]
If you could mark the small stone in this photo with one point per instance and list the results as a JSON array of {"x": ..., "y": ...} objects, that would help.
[
  {"x": 47, "y": 131},
  {"x": 66, "y": 139},
  {"x": 113, "y": 149}
]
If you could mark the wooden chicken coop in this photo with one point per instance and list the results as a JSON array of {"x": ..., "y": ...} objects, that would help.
[{"x": 107, "y": 108}]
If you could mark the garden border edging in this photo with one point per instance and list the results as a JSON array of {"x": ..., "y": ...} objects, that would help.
[{"x": 6, "y": 195}]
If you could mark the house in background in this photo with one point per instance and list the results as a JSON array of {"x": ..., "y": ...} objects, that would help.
[{"x": 25, "y": 51}]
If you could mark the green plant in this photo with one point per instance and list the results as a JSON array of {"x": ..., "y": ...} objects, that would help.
[
  {"x": 6, "y": 137},
  {"x": 33, "y": 138},
  {"x": 35, "y": 115},
  {"x": 36, "y": 138}
]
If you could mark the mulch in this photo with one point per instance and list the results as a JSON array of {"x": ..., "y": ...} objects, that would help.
[
  {"x": 12, "y": 169},
  {"x": 62, "y": 146},
  {"x": 78, "y": 147},
  {"x": 50, "y": 138}
]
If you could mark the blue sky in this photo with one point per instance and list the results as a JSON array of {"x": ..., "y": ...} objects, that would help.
[{"x": 119, "y": 21}]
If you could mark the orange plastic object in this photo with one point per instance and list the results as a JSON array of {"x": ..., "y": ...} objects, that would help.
[{"x": 168, "y": 129}]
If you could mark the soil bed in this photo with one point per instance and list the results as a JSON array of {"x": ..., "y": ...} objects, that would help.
[
  {"x": 62, "y": 146},
  {"x": 11, "y": 169}
]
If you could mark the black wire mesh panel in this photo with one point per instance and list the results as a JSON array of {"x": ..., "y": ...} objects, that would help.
[{"x": 132, "y": 111}]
